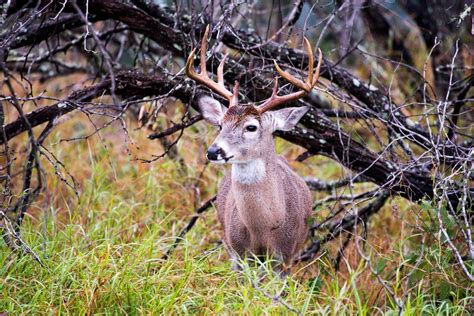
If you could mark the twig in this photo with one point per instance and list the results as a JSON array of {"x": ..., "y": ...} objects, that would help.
[
  {"x": 189, "y": 226},
  {"x": 173, "y": 129},
  {"x": 346, "y": 224}
]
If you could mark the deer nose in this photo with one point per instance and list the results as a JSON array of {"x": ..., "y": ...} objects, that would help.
[{"x": 213, "y": 152}]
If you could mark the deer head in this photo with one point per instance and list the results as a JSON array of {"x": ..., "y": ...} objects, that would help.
[{"x": 246, "y": 131}]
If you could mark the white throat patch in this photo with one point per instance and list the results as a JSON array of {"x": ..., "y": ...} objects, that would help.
[{"x": 249, "y": 172}]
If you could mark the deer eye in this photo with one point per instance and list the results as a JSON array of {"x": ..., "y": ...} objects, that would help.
[{"x": 251, "y": 128}]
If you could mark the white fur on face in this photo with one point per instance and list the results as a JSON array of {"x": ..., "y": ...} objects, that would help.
[
  {"x": 236, "y": 142},
  {"x": 248, "y": 172},
  {"x": 251, "y": 135}
]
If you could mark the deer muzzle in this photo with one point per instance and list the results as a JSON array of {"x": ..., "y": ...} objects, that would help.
[{"x": 215, "y": 153}]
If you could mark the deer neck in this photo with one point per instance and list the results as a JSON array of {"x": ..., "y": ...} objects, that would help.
[
  {"x": 258, "y": 193},
  {"x": 249, "y": 173},
  {"x": 253, "y": 173}
]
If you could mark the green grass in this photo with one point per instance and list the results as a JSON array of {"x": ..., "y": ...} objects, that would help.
[{"x": 102, "y": 253}]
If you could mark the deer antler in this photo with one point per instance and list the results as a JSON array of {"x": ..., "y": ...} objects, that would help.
[
  {"x": 305, "y": 87},
  {"x": 203, "y": 77}
]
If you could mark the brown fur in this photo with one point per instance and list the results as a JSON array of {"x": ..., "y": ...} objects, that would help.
[
  {"x": 267, "y": 217},
  {"x": 237, "y": 114}
]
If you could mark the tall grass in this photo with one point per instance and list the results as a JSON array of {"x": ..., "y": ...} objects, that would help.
[{"x": 102, "y": 251}]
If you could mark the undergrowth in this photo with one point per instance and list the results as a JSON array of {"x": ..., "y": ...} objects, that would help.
[{"x": 102, "y": 250}]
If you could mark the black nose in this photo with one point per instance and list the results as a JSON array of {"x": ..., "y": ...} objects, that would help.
[{"x": 213, "y": 152}]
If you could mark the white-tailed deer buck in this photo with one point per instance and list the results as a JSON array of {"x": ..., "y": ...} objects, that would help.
[{"x": 262, "y": 204}]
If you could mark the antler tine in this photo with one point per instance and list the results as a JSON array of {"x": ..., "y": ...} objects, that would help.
[
  {"x": 203, "y": 53},
  {"x": 318, "y": 67},
  {"x": 305, "y": 87},
  {"x": 203, "y": 77},
  {"x": 276, "y": 100},
  {"x": 235, "y": 95},
  {"x": 308, "y": 49},
  {"x": 220, "y": 71}
]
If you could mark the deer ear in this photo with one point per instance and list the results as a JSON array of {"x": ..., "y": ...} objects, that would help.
[
  {"x": 286, "y": 119},
  {"x": 211, "y": 110}
]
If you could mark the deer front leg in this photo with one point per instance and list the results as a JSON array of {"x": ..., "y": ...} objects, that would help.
[
  {"x": 281, "y": 267},
  {"x": 234, "y": 257}
]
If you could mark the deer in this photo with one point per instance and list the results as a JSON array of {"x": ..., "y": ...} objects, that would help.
[{"x": 262, "y": 204}]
